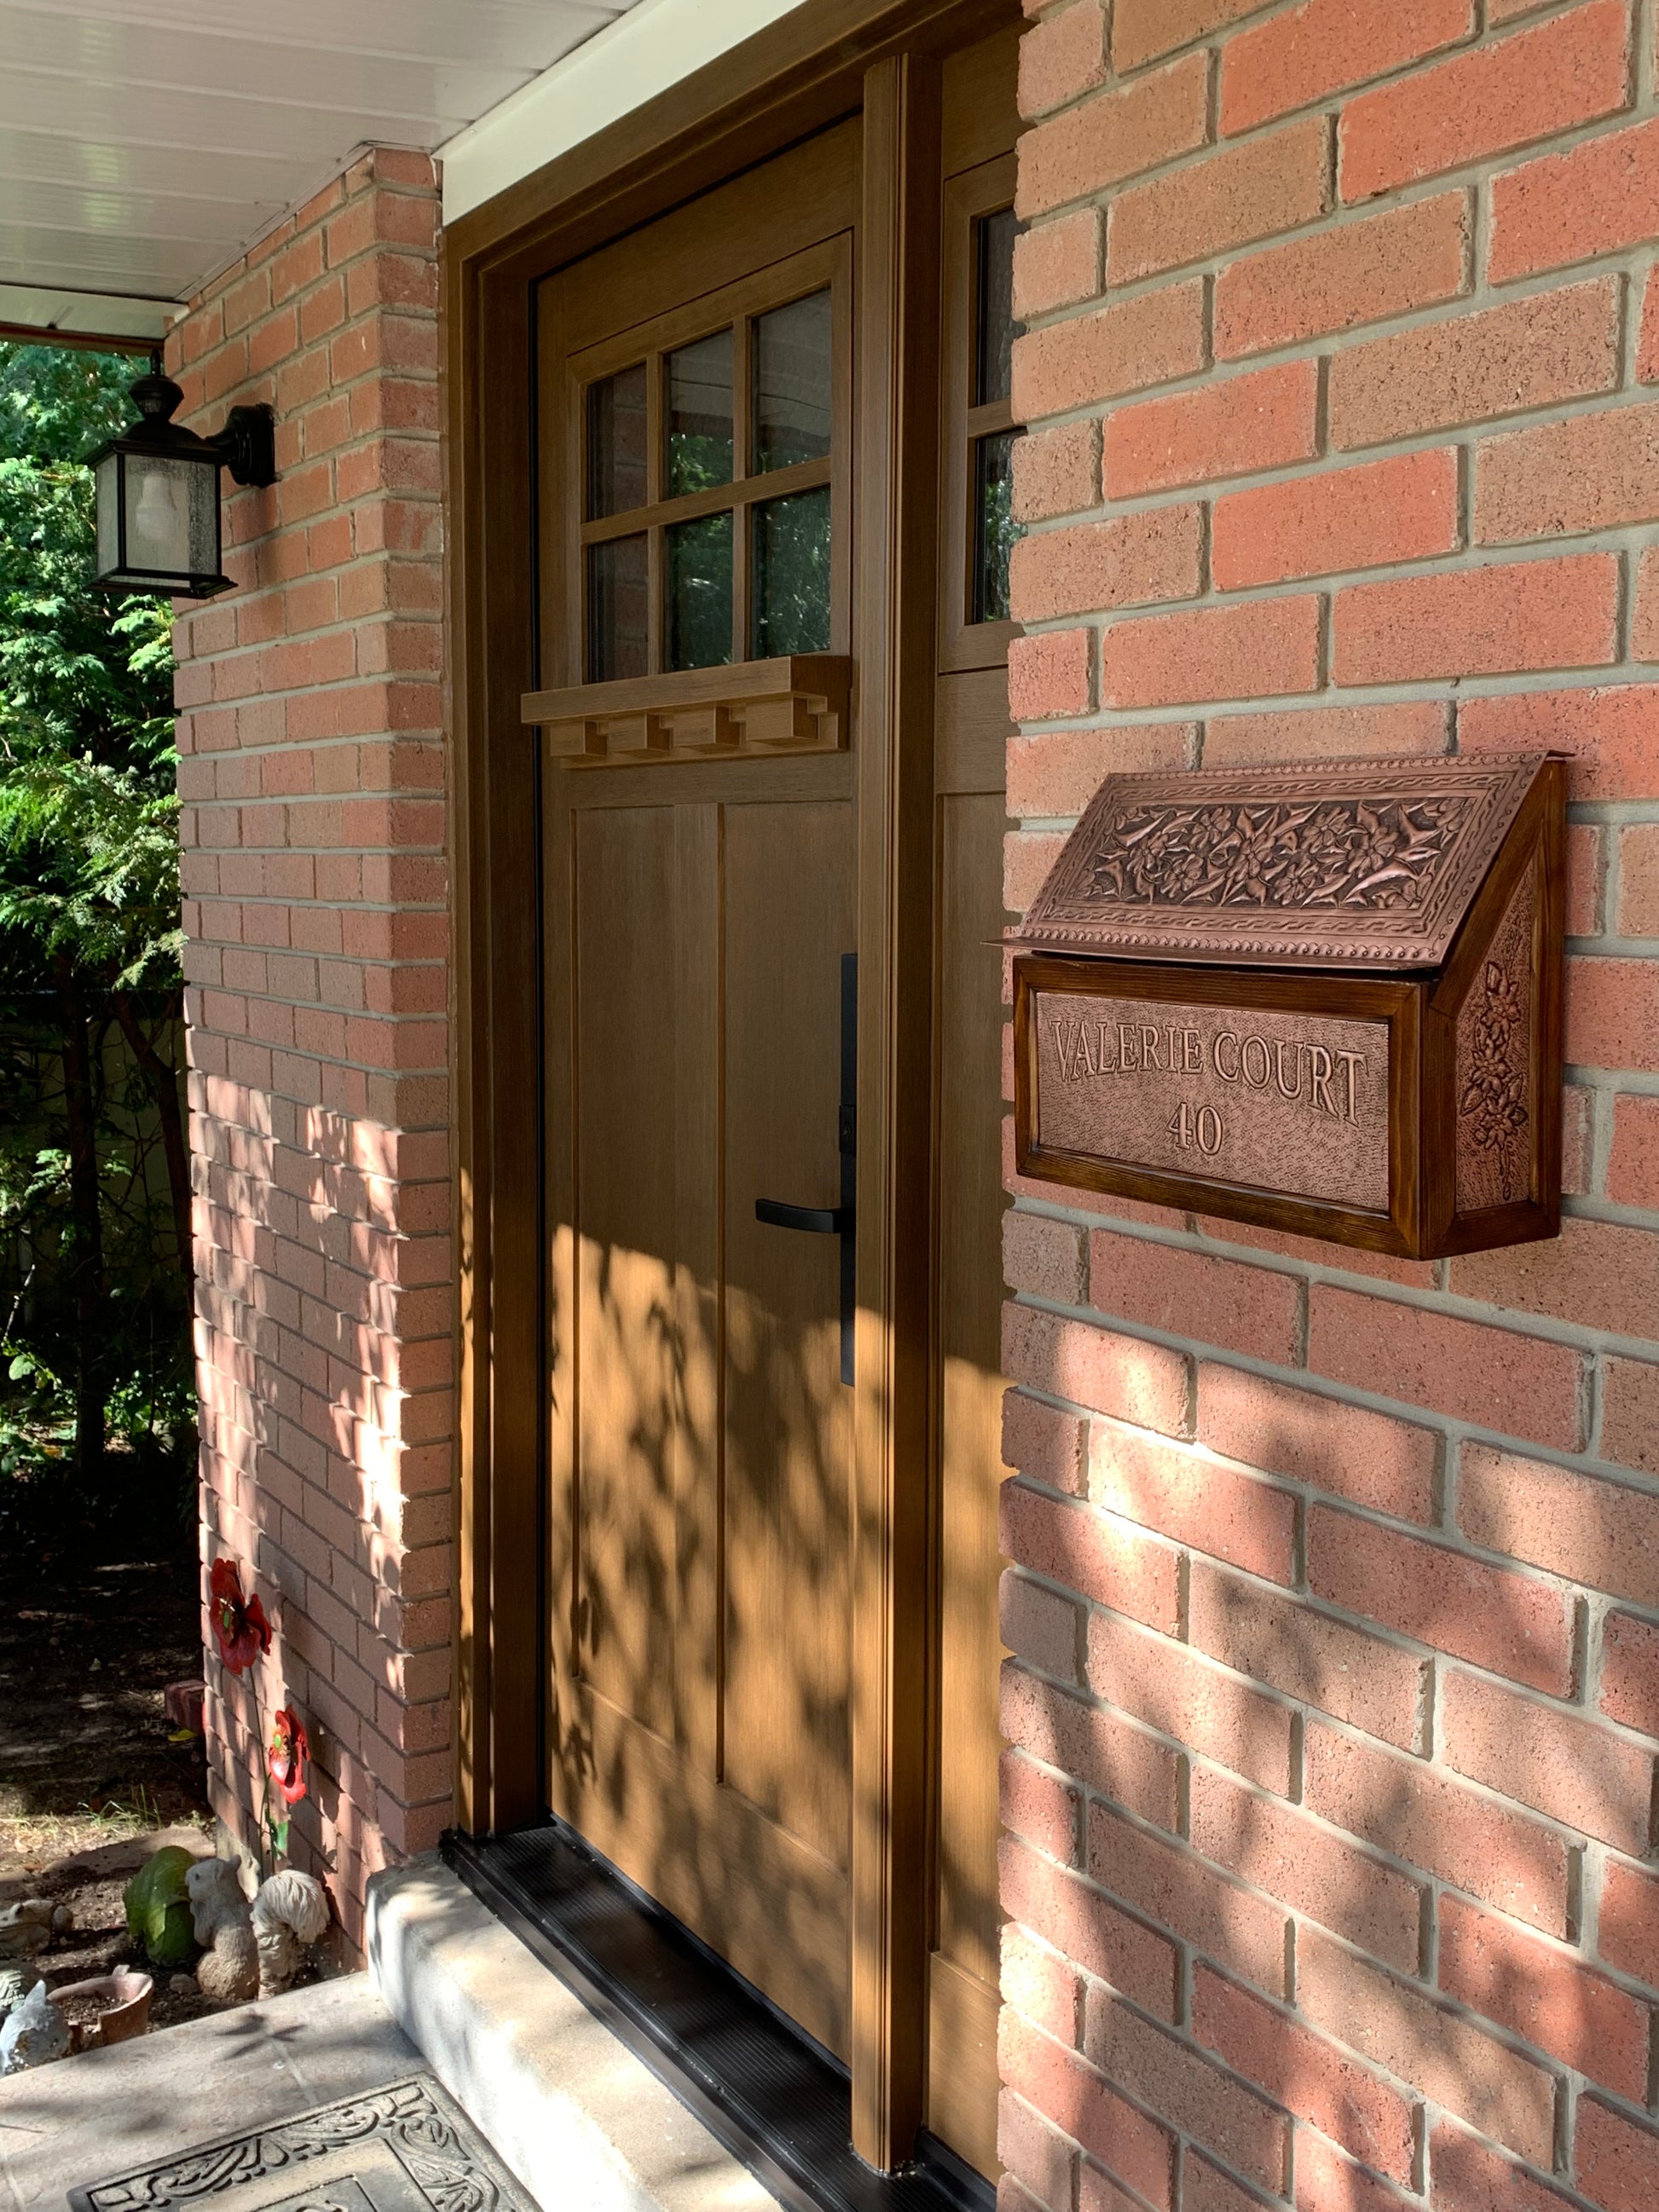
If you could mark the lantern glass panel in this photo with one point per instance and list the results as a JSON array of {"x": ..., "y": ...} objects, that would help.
[
  {"x": 172, "y": 516},
  {"x": 109, "y": 519}
]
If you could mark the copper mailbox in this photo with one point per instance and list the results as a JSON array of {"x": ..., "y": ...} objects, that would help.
[{"x": 1326, "y": 999}]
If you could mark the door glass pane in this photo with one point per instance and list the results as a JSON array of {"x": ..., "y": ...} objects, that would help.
[
  {"x": 617, "y": 443},
  {"x": 995, "y": 530},
  {"x": 997, "y": 331},
  {"x": 700, "y": 415},
  {"x": 619, "y": 610},
  {"x": 792, "y": 348},
  {"x": 791, "y": 570},
  {"x": 699, "y": 591}
]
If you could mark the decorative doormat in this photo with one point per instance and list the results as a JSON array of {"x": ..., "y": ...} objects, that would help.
[{"x": 403, "y": 2149}]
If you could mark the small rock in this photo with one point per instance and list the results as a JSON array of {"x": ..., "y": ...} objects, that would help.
[
  {"x": 182, "y": 1985},
  {"x": 62, "y": 1918}
]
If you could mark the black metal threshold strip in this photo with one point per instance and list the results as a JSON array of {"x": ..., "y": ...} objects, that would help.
[{"x": 775, "y": 2099}]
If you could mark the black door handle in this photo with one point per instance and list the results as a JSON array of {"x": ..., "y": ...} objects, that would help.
[
  {"x": 835, "y": 1220},
  {"x": 813, "y": 1220}
]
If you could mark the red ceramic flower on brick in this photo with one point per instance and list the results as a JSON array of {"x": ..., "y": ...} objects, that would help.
[
  {"x": 289, "y": 1750},
  {"x": 238, "y": 1623}
]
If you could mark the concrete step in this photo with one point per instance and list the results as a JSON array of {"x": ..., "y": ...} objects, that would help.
[{"x": 579, "y": 2119}]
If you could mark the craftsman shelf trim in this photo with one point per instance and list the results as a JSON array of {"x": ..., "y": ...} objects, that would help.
[{"x": 795, "y": 703}]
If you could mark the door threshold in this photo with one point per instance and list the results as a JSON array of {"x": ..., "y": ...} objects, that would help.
[{"x": 777, "y": 2100}]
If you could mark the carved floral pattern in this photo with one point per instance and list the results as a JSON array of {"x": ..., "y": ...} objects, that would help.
[
  {"x": 1375, "y": 856},
  {"x": 1494, "y": 1039},
  {"x": 1348, "y": 865},
  {"x": 1494, "y": 1100}
]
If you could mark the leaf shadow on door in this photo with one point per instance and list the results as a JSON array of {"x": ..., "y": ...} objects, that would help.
[{"x": 702, "y": 1436}]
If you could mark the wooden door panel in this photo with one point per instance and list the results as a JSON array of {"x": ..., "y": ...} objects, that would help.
[
  {"x": 964, "y": 1968},
  {"x": 788, "y": 1437},
  {"x": 700, "y": 1662},
  {"x": 695, "y": 975},
  {"x": 809, "y": 193},
  {"x": 628, "y": 1410},
  {"x": 963, "y": 2081},
  {"x": 769, "y": 1903},
  {"x": 971, "y": 1202}
]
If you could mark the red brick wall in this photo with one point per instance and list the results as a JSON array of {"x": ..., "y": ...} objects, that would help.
[
  {"x": 312, "y": 781},
  {"x": 1335, "y": 1601}
]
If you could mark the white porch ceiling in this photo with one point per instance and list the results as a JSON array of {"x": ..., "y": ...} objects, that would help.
[{"x": 145, "y": 143}]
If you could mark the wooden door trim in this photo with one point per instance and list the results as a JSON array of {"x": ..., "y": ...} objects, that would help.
[
  {"x": 798, "y": 76},
  {"x": 897, "y": 468}
]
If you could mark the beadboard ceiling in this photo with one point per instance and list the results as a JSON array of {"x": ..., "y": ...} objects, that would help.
[{"x": 145, "y": 143}]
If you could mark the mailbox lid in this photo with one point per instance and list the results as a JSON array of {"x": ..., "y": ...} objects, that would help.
[{"x": 1348, "y": 865}]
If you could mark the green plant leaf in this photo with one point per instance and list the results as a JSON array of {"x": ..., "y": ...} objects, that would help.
[{"x": 157, "y": 1905}]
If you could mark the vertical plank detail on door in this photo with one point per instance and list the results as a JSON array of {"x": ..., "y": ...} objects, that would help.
[
  {"x": 787, "y": 1534},
  {"x": 699, "y": 1055},
  {"x": 898, "y": 485}
]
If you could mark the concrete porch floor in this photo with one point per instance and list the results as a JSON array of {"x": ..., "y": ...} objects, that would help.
[
  {"x": 572, "y": 2112},
  {"x": 84, "y": 2119}
]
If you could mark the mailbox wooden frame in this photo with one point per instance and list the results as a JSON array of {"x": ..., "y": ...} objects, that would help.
[{"x": 1422, "y": 1008}]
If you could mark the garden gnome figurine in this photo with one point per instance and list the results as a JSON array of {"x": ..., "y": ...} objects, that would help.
[
  {"x": 34, "y": 2032},
  {"x": 228, "y": 1971},
  {"x": 290, "y": 1911}
]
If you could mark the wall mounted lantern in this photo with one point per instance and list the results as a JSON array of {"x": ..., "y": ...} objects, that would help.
[{"x": 158, "y": 492}]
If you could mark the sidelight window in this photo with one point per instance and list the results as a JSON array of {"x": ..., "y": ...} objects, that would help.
[
  {"x": 979, "y": 530},
  {"x": 990, "y": 423}
]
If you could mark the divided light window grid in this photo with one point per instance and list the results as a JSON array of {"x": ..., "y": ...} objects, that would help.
[
  {"x": 706, "y": 531},
  {"x": 991, "y": 429}
]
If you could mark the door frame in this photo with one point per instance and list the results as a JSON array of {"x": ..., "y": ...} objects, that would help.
[{"x": 826, "y": 60}]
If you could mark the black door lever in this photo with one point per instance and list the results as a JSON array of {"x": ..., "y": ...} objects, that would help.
[
  {"x": 814, "y": 1220},
  {"x": 835, "y": 1220}
]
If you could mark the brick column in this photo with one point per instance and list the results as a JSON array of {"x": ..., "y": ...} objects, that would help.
[
  {"x": 312, "y": 773},
  {"x": 1336, "y": 1593}
]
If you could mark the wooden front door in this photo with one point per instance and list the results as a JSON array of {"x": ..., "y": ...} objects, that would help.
[{"x": 695, "y": 425}]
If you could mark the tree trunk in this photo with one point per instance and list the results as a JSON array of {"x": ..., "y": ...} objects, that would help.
[
  {"x": 163, "y": 1080},
  {"x": 86, "y": 1227}
]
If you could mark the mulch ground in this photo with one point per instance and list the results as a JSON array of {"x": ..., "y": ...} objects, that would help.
[{"x": 90, "y": 1783}]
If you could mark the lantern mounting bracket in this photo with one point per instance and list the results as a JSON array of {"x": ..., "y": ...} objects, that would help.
[{"x": 247, "y": 444}]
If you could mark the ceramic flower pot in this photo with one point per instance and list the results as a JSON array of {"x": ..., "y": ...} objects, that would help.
[{"x": 125, "y": 1998}]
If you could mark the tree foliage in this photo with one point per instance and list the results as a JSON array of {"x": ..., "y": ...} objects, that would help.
[{"x": 93, "y": 1311}]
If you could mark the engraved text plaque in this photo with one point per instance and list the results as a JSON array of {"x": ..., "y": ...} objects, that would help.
[{"x": 1259, "y": 1097}]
